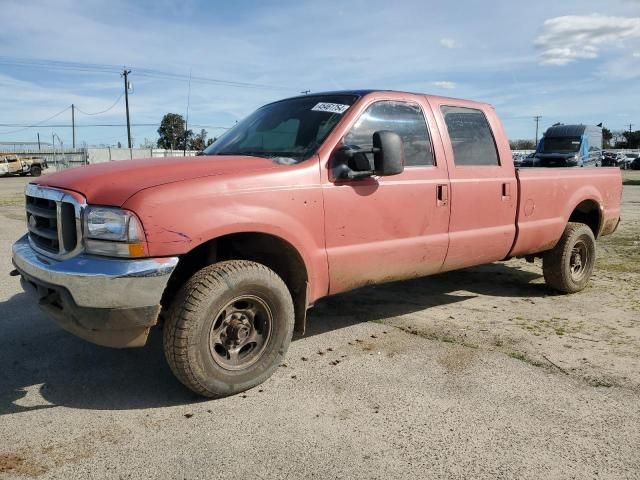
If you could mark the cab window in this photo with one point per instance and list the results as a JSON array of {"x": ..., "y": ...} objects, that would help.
[
  {"x": 470, "y": 136},
  {"x": 405, "y": 119}
]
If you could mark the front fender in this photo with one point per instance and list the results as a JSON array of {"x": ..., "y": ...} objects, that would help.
[{"x": 181, "y": 216}]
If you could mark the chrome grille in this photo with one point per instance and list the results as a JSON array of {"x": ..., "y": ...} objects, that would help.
[{"x": 53, "y": 221}]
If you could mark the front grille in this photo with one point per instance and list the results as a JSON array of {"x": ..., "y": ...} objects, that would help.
[{"x": 52, "y": 221}]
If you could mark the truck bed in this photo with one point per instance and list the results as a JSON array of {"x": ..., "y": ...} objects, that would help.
[{"x": 548, "y": 197}]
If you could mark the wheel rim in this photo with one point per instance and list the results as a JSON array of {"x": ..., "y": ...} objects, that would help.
[
  {"x": 240, "y": 332},
  {"x": 579, "y": 260}
]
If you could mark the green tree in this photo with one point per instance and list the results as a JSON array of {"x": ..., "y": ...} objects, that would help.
[
  {"x": 632, "y": 139},
  {"x": 607, "y": 136},
  {"x": 199, "y": 141},
  {"x": 172, "y": 134},
  {"x": 522, "y": 144}
]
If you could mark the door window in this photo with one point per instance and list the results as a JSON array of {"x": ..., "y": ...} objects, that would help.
[
  {"x": 405, "y": 119},
  {"x": 470, "y": 136}
]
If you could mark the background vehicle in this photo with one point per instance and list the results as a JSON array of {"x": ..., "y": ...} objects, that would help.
[
  {"x": 14, "y": 165},
  {"x": 307, "y": 197},
  {"x": 570, "y": 146},
  {"x": 614, "y": 159},
  {"x": 629, "y": 158}
]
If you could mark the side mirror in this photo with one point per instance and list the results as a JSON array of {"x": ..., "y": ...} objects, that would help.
[
  {"x": 351, "y": 162},
  {"x": 388, "y": 153}
]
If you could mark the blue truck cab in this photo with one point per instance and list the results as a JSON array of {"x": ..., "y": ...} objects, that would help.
[{"x": 570, "y": 146}]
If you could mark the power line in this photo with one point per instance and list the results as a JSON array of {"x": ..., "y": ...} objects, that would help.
[
  {"x": 37, "y": 124},
  {"x": 65, "y": 125},
  {"x": 102, "y": 111},
  {"x": 144, "y": 72}
]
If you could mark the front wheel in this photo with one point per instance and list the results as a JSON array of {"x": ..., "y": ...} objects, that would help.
[
  {"x": 228, "y": 328},
  {"x": 567, "y": 267},
  {"x": 35, "y": 171}
]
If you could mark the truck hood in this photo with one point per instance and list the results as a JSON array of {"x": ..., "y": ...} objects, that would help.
[{"x": 112, "y": 183}]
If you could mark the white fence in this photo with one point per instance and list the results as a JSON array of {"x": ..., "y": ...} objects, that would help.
[{"x": 108, "y": 154}]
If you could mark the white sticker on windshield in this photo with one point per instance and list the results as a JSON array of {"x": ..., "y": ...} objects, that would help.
[{"x": 330, "y": 107}]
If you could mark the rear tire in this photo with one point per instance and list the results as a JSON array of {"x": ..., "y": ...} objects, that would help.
[
  {"x": 567, "y": 267},
  {"x": 228, "y": 328},
  {"x": 35, "y": 171}
]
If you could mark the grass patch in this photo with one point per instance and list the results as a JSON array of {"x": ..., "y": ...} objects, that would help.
[
  {"x": 519, "y": 356},
  {"x": 523, "y": 357},
  {"x": 15, "y": 201},
  {"x": 623, "y": 252}
]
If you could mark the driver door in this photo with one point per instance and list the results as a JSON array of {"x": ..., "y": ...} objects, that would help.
[{"x": 381, "y": 229}]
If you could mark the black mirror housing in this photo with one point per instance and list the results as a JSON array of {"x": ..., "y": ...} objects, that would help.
[{"x": 388, "y": 153}]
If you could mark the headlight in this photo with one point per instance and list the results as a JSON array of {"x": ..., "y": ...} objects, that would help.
[{"x": 113, "y": 232}]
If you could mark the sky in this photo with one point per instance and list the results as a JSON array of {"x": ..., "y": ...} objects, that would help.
[{"x": 570, "y": 61}]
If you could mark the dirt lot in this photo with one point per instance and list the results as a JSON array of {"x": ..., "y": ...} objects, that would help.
[{"x": 481, "y": 373}]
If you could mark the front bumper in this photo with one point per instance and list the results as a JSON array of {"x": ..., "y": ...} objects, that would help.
[{"x": 108, "y": 301}]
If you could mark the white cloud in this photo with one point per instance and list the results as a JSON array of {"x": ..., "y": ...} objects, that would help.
[
  {"x": 570, "y": 38},
  {"x": 445, "y": 84},
  {"x": 448, "y": 43}
]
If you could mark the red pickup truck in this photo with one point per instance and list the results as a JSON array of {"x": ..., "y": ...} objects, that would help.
[{"x": 307, "y": 197}]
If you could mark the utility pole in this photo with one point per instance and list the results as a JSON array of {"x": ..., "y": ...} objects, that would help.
[
  {"x": 73, "y": 125},
  {"x": 537, "y": 120},
  {"x": 186, "y": 122},
  {"x": 125, "y": 74},
  {"x": 38, "y": 141}
]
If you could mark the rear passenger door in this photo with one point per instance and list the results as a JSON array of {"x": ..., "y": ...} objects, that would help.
[{"x": 483, "y": 185}]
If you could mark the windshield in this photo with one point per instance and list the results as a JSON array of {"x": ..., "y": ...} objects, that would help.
[
  {"x": 561, "y": 144},
  {"x": 291, "y": 129}
]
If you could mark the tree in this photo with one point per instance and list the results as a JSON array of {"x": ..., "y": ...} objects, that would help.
[
  {"x": 172, "y": 132},
  {"x": 632, "y": 139},
  {"x": 199, "y": 141},
  {"x": 522, "y": 145},
  {"x": 607, "y": 136},
  {"x": 211, "y": 141}
]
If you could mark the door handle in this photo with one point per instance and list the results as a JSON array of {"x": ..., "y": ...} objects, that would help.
[
  {"x": 506, "y": 191},
  {"x": 442, "y": 195}
]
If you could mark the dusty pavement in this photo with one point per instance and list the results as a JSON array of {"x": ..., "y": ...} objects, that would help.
[{"x": 481, "y": 373}]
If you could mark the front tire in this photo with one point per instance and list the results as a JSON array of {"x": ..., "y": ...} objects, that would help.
[
  {"x": 567, "y": 267},
  {"x": 35, "y": 171},
  {"x": 229, "y": 328}
]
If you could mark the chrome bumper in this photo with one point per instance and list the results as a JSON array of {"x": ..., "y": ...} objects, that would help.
[
  {"x": 108, "y": 301},
  {"x": 99, "y": 282}
]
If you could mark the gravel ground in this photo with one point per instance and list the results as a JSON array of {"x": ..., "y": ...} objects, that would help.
[{"x": 481, "y": 373}]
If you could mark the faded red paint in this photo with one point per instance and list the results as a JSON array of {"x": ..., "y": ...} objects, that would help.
[{"x": 351, "y": 233}]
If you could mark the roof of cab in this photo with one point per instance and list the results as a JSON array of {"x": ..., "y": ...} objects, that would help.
[{"x": 363, "y": 92}]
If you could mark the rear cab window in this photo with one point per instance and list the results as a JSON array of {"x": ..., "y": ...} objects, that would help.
[{"x": 471, "y": 137}]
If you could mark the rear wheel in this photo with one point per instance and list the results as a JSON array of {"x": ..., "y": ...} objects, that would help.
[
  {"x": 568, "y": 266},
  {"x": 228, "y": 328},
  {"x": 35, "y": 170}
]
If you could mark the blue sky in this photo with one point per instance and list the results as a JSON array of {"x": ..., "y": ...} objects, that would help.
[{"x": 569, "y": 61}]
